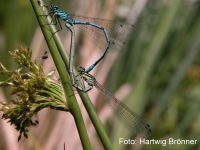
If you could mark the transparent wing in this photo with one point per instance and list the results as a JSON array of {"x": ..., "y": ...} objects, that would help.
[
  {"x": 128, "y": 118},
  {"x": 117, "y": 32}
]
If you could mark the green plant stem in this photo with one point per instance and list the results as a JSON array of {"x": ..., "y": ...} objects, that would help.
[
  {"x": 68, "y": 90},
  {"x": 85, "y": 99},
  {"x": 55, "y": 95}
]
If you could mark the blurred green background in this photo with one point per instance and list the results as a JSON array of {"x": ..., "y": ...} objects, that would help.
[{"x": 160, "y": 67}]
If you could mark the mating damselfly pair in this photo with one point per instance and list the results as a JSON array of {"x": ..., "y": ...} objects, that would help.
[{"x": 108, "y": 36}]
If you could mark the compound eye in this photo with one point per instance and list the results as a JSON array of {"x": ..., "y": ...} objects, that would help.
[
  {"x": 54, "y": 7},
  {"x": 81, "y": 69}
]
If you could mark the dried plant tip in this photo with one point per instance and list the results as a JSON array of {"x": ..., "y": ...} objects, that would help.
[{"x": 33, "y": 91}]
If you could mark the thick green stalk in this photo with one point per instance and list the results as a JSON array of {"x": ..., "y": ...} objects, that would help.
[
  {"x": 71, "y": 100},
  {"x": 85, "y": 99}
]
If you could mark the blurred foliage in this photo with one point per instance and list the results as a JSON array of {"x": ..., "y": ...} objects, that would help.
[
  {"x": 161, "y": 63},
  {"x": 160, "y": 67}
]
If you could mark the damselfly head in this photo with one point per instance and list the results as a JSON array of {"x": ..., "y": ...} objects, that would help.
[
  {"x": 81, "y": 69},
  {"x": 53, "y": 7}
]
